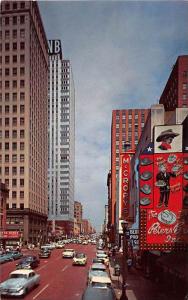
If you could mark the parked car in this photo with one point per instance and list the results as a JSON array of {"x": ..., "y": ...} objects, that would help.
[
  {"x": 97, "y": 260},
  {"x": 60, "y": 245},
  {"x": 68, "y": 253},
  {"x": 101, "y": 281},
  {"x": 104, "y": 257},
  {"x": 15, "y": 254},
  {"x": 28, "y": 262},
  {"x": 80, "y": 259},
  {"x": 96, "y": 269},
  {"x": 96, "y": 293},
  {"x": 48, "y": 246},
  {"x": 19, "y": 283},
  {"x": 44, "y": 254}
]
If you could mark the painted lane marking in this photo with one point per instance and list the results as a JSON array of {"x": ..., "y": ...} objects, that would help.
[
  {"x": 64, "y": 268},
  {"x": 42, "y": 267},
  {"x": 41, "y": 291}
]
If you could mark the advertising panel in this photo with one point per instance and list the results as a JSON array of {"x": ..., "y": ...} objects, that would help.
[
  {"x": 168, "y": 139},
  {"x": 164, "y": 220},
  {"x": 9, "y": 234}
]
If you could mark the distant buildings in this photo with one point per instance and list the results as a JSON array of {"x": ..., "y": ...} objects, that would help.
[
  {"x": 61, "y": 139},
  {"x": 78, "y": 214},
  {"x": 24, "y": 117}
]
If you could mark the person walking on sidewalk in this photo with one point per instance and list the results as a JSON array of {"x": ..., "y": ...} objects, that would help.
[{"x": 129, "y": 263}]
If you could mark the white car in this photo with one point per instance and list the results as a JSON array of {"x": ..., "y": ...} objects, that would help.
[
  {"x": 103, "y": 257},
  {"x": 68, "y": 253},
  {"x": 101, "y": 281},
  {"x": 19, "y": 283},
  {"x": 80, "y": 259}
]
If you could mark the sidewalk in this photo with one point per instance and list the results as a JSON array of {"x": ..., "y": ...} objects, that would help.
[{"x": 138, "y": 287}]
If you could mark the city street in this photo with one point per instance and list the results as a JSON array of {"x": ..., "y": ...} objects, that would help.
[{"x": 59, "y": 279}]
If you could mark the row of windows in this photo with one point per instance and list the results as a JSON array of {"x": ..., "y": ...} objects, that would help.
[
  {"x": 13, "y": 157},
  {"x": 13, "y": 71},
  {"x": 14, "y": 123},
  {"x": 14, "y": 5},
  {"x": 14, "y": 194},
  {"x": 15, "y": 96},
  {"x": 15, "y": 182},
  {"x": 7, "y": 147},
  {"x": 14, "y": 32},
  {"x": 7, "y": 84},
  {"x": 14, "y": 169},
  {"x": 14, "y": 20},
  {"x": 13, "y": 46},
  {"x": 15, "y": 147},
  {"x": 13, "y": 108},
  {"x": 13, "y": 59}
]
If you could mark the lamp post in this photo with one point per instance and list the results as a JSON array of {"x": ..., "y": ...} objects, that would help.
[{"x": 124, "y": 225}]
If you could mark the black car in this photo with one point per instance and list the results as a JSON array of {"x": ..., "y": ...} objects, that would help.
[
  {"x": 97, "y": 260},
  {"x": 28, "y": 262},
  {"x": 95, "y": 293}
]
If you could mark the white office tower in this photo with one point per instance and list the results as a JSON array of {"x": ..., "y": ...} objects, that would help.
[{"x": 61, "y": 138}]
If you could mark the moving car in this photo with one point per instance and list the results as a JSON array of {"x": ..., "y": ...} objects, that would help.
[
  {"x": 80, "y": 259},
  {"x": 28, "y": 262},
  {"x": 68, "y": 253},
  {"x": 15, "y": 254},
  {"x": 96, "y": 293},
  {"x": 19, "y": 283},
  {"x": 44, "y": 254},
  {"x": 48, "y": 246}
]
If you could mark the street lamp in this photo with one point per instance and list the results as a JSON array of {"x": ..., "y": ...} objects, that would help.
[{"x": 124, "y": 225}]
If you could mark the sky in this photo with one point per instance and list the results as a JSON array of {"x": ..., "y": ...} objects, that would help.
[{"x": 122, "y": 53}]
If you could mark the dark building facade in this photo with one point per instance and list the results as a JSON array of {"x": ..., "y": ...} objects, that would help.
[{"x": 175, "y": 93}]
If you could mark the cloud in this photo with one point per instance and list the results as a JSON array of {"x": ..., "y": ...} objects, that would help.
[{"x": 122, "y": 54}]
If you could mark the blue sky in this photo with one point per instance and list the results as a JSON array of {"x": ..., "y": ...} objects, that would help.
[{"x": 122, "y": 53}]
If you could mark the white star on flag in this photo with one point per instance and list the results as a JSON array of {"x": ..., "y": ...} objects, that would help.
[{"x": 149, "y": 149}]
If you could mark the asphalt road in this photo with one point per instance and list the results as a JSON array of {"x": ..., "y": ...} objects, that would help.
[{"x": 59, "y": 279}]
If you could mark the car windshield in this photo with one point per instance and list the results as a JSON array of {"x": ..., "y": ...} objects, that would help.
[
  {"x": 80, "y": 255},
  {"x": 100, "y": 284},
  {"x": 18, "y": 276}
]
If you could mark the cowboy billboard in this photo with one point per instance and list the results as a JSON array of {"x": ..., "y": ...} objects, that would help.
[{"x": 168, "y": 139}]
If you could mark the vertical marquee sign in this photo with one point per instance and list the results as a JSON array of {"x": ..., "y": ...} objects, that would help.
[
  {"x": 125, "y": 160},
  {"x": 162, "y": 210}
]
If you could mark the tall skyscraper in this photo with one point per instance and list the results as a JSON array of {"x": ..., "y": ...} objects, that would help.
[
  {"x": 24, "y": 117},
  {"x": 61, "y": 138},
  {"x": 175, "y": 93},
  {"x": 126, "y": 126}
]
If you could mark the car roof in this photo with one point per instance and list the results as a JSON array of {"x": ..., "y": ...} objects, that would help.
[
  {"x": 23, "y": 271},
  {"x": 101, "y": 279},
  {"x": 93, "y": 293},
  {"x": 98, "y": 266}
]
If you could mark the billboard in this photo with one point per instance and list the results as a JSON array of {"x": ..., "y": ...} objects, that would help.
[
  {"x": 163, "y": 201},
  {"x": 168, "y": 139},
  {"x": 10, "y": 234}
]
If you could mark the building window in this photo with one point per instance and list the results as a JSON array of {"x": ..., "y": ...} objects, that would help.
[
  {"x": 22, "y": 19},
  {"x": 14, "y": 5},
  {"x": 22, "y": 96},
  {"x": 21, "y": 182},
  {"x": 22, "y": 46},
  {"x": 6, "y": 158},
  {"x": 7, "y": 72},
  {"x": 22, "y": 33},
  {"x": 22, "y": 196},
  {"x": 6, "y": 20},
  {"x": 14, "y": 182},
  {"x": 22, "y": 170},
  {"x": 14, "y": 71},
  {"x": 14, "y": 96},
  {"x": 14, "y": 170},
  {"x": 13, "y": 194},
  {"x": 14, "y": 158},
  {"x": 22, "y": 71},
  {"x": 22, "y": 121},
  {"x": 14, "y": 33},
  {"x": 14, "y": 84},
  {"x": 6, "y": 121},
  {"x": 7, "y": 84},
  {"x": 6, "y": 146},
  {"x": 22, "y": 83},
  {"x": 14, "y": 121},
  {"x": 14, "y": 133},
  {"x": 7, "y": 59},
  {"x": 14, "y": 59},
  {"x": 22, "y": 5},
  {"x": 22, "y": 133},
  {"x": 7, "y": 34},
  {"x": 22, "y": 158},
  {"x": 21, "y": 146},
  {"x": 6, "y": 170},
  {"x": 7, "y": 46},
  {"x": 14, "y": 146},
  {"x": 14, "y": 21},
  {"x": 22, "y": 58},
  {"x": 14, "y": 46},
  {"x": 14, "y": 109},
  {"x": 6, "y": 134}
]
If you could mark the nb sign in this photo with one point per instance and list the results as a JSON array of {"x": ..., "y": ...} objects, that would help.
[{"x": 54, "y": 47}]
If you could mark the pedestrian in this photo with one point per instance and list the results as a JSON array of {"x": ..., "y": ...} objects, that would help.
[{"x": 129, "y": 263}]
